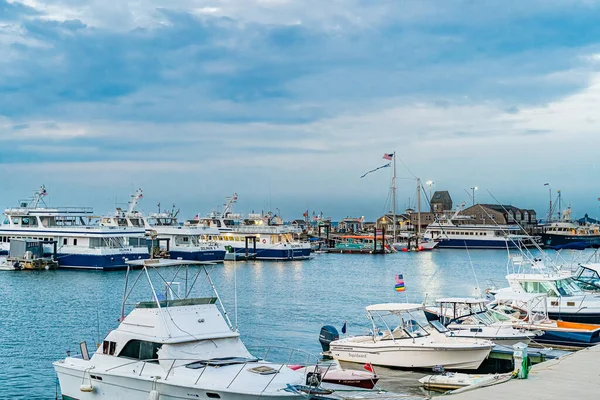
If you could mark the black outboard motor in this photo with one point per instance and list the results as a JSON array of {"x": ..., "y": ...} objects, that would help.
[{"x": 328, "y": 334}]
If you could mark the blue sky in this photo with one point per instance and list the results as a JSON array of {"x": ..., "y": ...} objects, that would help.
[{"x": 288, "y": 102}]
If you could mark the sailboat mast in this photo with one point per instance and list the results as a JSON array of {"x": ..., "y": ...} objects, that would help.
[
  {"x": 394, "y": 189},
  {"x": 418, "y": 210}
]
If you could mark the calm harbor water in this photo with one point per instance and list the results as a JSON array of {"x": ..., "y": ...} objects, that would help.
[{"x": 45, "y": 313}]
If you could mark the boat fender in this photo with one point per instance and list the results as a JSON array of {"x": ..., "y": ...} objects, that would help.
[
  {"x": 86, "y": 388},
  {"x": 264, "y": 241},
  {"x": 154, "y": 395}
]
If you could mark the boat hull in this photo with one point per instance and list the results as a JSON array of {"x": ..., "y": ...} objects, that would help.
[
  {"x": 199, "y": 255},
  {"x": 475, "y": 244},
  {"x": 577, "y": 339},
  {"x": 117, "y": 387},
  {"x": 275, "y": 254},
  {"x": 581, "y": 317},
  {"x": 411, "y": 357},
  {"x": 571, "y": 241},
  {"x": 103, "y": 262}
]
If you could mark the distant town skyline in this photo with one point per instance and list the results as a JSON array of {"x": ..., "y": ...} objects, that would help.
[{"x": 289, "y": 102}]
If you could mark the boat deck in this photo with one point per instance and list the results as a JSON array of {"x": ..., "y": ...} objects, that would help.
[{"x": 573, "y": 376}]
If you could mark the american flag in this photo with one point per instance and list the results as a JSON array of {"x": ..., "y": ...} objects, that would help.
[{"x": 387, "y": 156}]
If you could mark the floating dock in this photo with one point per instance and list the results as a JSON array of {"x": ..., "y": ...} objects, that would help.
[{"x": 573, "y": 376}]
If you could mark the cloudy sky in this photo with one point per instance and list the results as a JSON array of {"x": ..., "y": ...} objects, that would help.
[{"x": 289, "y": 102}]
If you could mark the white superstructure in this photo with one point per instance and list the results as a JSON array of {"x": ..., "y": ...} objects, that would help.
[
  {"x": 258, "y": 236},
  {"x": 180, "y": 242}
]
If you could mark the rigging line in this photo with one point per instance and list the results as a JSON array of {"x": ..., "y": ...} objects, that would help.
[
  {"x": 473, "y": 269},
  {"x": 405, "y": 166},
  {"x": 527, "y": 251}
]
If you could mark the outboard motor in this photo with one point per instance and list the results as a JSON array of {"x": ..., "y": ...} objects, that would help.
[{"x": 328, "y": 334}]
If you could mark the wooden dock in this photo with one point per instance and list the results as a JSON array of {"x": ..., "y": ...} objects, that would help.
[{"x": 573, "y": 376}]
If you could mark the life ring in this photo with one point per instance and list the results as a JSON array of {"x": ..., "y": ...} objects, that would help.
[{"x": 264, "y": 241}]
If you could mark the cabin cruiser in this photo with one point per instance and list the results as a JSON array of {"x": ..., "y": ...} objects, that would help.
[
  {"x": 569, "y": 235},
  {"x": 529, "y": 311},
  {"x": 462, "y": 231},
  {"x": 469, "y": 317},
  {"x": 167, "y": 235},
  {"x": 176, "y": 346},
  {"x": 259, "y": 236},
  {"x": 79, "y": 243},
  {"x": 402, "y": 337},
  {"x": 566, "y": 301}
]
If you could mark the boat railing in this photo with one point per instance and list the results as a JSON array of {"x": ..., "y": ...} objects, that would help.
[
  {"x": 50, "y": 211},
  {"x": 280, "y": 229},
  {"x": 176, "y": 363}
]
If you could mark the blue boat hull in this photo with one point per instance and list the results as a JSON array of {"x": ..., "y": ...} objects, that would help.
[
  {"x": 275, "y": 254},
  {"x": 204, "y": 256},
  {"x": 97, "y": 262},
  {"x": 570, "y": 339},
  {"x": 474, "y": 244},
  {"x": 564, "y": 241},
  {"x": 586, "y": 318}
]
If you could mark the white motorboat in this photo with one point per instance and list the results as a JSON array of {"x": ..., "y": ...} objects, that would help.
[
  {"x": 176, "y": 347},
  {"x": 470, "y": 317},
  {"x": 402, "y": 337}
]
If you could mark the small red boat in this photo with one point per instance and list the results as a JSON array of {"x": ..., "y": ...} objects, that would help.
[{"x": 333, "y": 373}]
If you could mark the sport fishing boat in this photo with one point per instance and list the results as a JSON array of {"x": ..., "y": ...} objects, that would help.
[
  {"x": 569, "y": 235},
  {"x": 402, "y": 337},
  {"x": 261, "y": 237},
  {"x": 461, "y": 231},
  {"x": 469, "y": 317},
  {"x": 79, "y": 243},
  {"x": 167, "y": 235},
  {"x": 177, "y": 346},
  {"x": 566, "y": 301},
  {"x": 529, "y": 311}
]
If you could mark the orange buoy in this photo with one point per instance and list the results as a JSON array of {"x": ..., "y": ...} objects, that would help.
[{"x": 404, "y": 249}]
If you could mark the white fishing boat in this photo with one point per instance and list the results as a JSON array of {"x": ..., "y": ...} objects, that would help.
[
  {"x": 470, "y": 317},
  {"x": 566, "y": 300},
  {"x": 176, "y": 241},
  {"x": 402, "y": 337},
  {"x": 176, "y": 347},
  {"x": 258, "y": 236},
  {"x": 79, "y": 242}
]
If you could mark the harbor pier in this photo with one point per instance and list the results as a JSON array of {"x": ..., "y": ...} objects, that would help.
[{"x": 573, "y": 376}]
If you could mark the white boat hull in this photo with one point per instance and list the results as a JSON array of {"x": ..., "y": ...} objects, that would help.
[
  {"x": 128, "y": 386},
  {"x": 412, "y": 357}
]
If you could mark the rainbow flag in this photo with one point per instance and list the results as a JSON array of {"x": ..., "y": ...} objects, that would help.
[{"x": 399, "y": 283}]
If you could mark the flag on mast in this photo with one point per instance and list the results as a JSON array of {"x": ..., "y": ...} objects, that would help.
[
  {"x": 388, "y": 156},
  {"x": 399, "y": 283},
  {"x": 373, "y": 170}
]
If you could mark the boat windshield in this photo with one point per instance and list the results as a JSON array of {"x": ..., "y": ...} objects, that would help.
[
  {"x": 553, "y": 288},
  {"x": 587, "y": 278},
  {"x": 391, "y": 325}
]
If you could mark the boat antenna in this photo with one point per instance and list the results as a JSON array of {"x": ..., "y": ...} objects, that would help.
[{"x": 235, "y": 302}]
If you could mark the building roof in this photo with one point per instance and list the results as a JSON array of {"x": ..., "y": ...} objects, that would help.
[{"x": 440, "y": 196}]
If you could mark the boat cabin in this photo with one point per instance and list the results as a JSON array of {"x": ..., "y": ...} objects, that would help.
[{"x": 552, "y": 285}]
